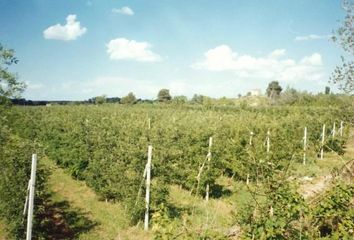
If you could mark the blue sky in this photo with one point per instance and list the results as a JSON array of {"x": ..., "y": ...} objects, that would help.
[{"x": 79, "y": 49}]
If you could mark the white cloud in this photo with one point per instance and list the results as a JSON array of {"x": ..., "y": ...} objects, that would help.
[
  {"x": 312, "y": 37},
  {"x": 271, "y": 67},
  {"x": 277, "y": 53},
  {"x": 315, "y": 60},
  {"x": 124, "y": 11},
  {"x": 70, "y": 31},
  {"x": 124, "y": 49}
]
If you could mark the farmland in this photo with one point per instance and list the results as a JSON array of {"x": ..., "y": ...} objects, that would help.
[{"x": 104, "y": 147}]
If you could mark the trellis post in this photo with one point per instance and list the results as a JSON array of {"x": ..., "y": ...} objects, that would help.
[
  {"x": 323, "y": 139},
  {"x": 209, "y": 158},
  {"x": 31, "y": 197},
  {"x": 341, "y": 129},
  {"x": 305, "y": 145},
  {"x": 268, "y": 141},
  {"x": 251, "y": 137},
  {"x": 148, "y": 183}
]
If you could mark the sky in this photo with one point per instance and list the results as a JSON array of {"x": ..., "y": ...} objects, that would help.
[{"x": 78, "y": 49}]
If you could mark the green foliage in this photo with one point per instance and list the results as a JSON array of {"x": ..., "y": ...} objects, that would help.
[
  {"x": 327, "y": 90},
  {"x": 336, "y": 145},
  {"x": 180, "y": 99},
  {"x": 164, "y": 95},
  {"x": 9, "y": 84},
  {"x": 129, "y": 99},
  {"x": 333, "y": 216},
  {"x": 100, "y": 99},
  {"x": 273, "y": 89},
  {"x": 278, "y": 216},
  {"x": 107, "y": 148},
  {"x": 198, "y": 99},
  {"x": 343, "y": 74},
  {"x": 15, "y": 160}
]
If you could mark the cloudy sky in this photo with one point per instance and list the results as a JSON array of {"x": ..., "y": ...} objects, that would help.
[{"x": 77, "y": 49}]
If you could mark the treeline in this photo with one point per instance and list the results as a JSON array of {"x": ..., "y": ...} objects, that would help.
[{"x": 288, "y": 97}]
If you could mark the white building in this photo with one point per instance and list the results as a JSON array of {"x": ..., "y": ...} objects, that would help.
[{"x": 255, "y": 92}]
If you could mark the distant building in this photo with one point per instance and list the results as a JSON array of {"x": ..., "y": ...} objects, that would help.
[{"x": 255, "y": 92}]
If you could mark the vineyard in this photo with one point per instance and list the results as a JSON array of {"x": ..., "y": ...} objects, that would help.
[{"x": 253, "y": 157}]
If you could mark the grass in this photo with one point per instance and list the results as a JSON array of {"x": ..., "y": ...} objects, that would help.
[
  {"x": 110, "y": 217},
  {"x": 215, "y": 213}
]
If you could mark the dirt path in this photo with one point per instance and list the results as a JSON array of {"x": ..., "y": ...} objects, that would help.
[{"x": 313, "y": 186}]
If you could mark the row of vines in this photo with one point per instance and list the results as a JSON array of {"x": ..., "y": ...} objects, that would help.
[
  {"x": 106, "y": 146},
  {"x": 15, "y": 159}
]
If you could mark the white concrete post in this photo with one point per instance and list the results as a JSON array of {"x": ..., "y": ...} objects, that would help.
[
  {"x": 305, "y": 145},
  {"x": 268, "y": 141},
  {"x": 251, "y": 137},
  {"x": 341, "y": 129},
  {"x": 31, "y": 197},
  {"x": 323, "y": 139},
  {"x": 209, "y": 158},
  {"x": 148, "y": 183}
]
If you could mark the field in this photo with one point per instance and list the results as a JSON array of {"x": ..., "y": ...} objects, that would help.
[{"x": 254, "y": 180}]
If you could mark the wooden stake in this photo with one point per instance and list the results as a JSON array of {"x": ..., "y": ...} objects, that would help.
[
  {"x": 305, "y": 145},
  {"x": 323, "y": 139},
  {"x": 209, "y": 158},
  {"x": 149, "y": 123},
  {"x": 334, "y": 130},
  {"x": 248, "y": 179},
  {"x": 341, "y": 129},
  {"x": 31, "y": 197},
  {"x": 148, "y": 182}
]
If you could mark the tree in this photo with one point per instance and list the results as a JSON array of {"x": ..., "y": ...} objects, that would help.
[
  {"x": 164, "y": 95},
  {"x": 343, "y": 74},
  {"x": 9, "y": 84},
  {"x": 129, "y": 99},
  {"x": 199, "y": 99},
  {"x": 180, "y": 99},
  {"x": 327, "y": 90},
  {"x": 273, "y": 89},
  {"x": 100, "y": 99}
]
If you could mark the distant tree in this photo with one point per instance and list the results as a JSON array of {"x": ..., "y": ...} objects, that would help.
[
  {"x": 248, "y": 94},
  {"x": 239, "y": 95},
  {"x": 9, "y": 84},
  {"x": 129, "y": 99},
  {"x": 100, "y": 99},
  {"x": 343, "y": 74},
  {"x": 197, "y": 99},
  {"x": 164, "y": 95},
  {"x": 273, "y": 89},
  {"x": 180, "y": 99},
  {"x": 327, "y": 90},
  {"x": 113, "y": 100}
]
